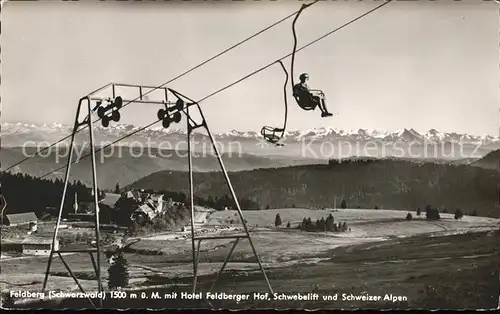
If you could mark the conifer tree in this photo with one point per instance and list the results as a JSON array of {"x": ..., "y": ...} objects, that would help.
[
  {"x": 343, "y": 204},
  {"x": 118, "y": 272},
  {"x": 277, "y": 221}
]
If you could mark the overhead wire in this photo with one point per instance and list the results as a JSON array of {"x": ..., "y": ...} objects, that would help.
[
  {"x": 102, "y": 148},
  {"x": 167, "y": 82},
  {"x": 272, "y": 137},
  {"x": 288, "y": 55},
  {"x": 292, "y": 62},
  {"x": 239, "y": 80}
]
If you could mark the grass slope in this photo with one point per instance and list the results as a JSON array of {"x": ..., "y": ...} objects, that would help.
[{"x": 461, "y": 274}]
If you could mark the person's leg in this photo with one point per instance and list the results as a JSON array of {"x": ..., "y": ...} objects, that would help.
[
  {"x": 317, "y": 102},
  {"x": 324, "y": 110},
  {"x": 323, "y": 103}
]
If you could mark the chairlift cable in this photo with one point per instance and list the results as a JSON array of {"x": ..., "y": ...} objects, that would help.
[
  {"x": 288, "y": 55},
  {"x": 269, "y": 133},
  {"x": 292, "y": 64},
  {"x": 162, "y": 85},
  {"x": 239, "y": 80}
]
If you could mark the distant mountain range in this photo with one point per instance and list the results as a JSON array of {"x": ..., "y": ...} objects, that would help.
[
  {"x": 445, "y": 178},
  {"x": 317, "y": 143},
  {"x": 16, "y": 134}
]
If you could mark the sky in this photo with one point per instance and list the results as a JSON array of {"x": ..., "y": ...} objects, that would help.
[{"x": 411, "y": 64}]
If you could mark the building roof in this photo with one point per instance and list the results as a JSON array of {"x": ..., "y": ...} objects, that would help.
[
  {"x": 145, "y": 209},
  {"x": 133, "y": 194},
  {"x": 37, "y": 240},
  {"x": 110, "y": 199},
  {"x": 151, "y": 205},
  {"x": 21, "y": 218},
  {"x": 156, "y": 197}
]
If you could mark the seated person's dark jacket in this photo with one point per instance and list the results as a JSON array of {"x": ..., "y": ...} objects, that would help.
[{"x": 302, "y": 92}]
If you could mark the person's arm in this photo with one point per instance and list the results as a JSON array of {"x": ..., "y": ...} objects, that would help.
[
  {"x": 311, "y": 91},
  {"x": 316, "y": 91}
]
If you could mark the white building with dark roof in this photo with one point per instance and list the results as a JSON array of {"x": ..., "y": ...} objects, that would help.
[
  {"x": 14, "y": 220},
  {"x": 38, "y": 246}
]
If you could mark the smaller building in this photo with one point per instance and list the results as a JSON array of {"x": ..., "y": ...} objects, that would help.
[
  {"x": 81, "y": 217},
  {"x": 63, "y": 226},
  {"x": 38, "y": 246},
  {"x": 110, "y": 200},
  {"x": 134, "y": 194},
  {"x": 14, "y": 220}
]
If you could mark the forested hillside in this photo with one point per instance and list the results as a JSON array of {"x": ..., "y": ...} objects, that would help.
[
  {"x": 367, "y": 183},
  {"x": 490, "y": 161},
  {"x": 29, "y": 194}
]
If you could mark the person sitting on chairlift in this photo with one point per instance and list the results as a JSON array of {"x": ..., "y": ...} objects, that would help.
[{"x": 309, "y": 97}]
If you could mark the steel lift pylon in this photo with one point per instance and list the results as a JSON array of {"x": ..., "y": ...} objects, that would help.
[{"x": 107, "y": 107}]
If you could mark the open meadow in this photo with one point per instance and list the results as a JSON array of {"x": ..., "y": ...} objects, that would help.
[{"x": 383, "y": 253}]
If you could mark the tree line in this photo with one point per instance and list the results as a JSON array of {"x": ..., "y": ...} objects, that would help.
[
  {"x": 432, "y": 213},
  {"x": 398, "y": 184},
  {"x": 25, "y": 193},
  {"x": 321, "y": 225}
]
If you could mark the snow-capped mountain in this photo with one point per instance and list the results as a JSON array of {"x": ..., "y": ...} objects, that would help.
[
  {"x": 18, "y": 134},
  {"x": 236, "y": 134},
  {"x": 405, "y": 135}
]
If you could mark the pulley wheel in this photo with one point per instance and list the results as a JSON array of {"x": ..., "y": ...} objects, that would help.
[
  {"x": 101, "y": 111},
  {"x": 166, "y": 122},
  {"x": 177, "y": 117},
  {"x": 179, "y": 104},
  {"x": 115, "y": 116},
  {"x": 118, "y": 102},
  {"x": 161, "y": 114},
  {"x": 105, "y": 122}
]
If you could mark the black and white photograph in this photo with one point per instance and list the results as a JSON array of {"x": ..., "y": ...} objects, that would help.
[{"x": 224, "y": 154}]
